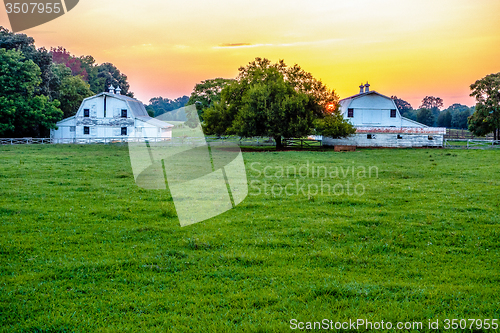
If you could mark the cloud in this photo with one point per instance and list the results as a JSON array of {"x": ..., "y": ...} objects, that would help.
[
  {"x": 239, "y": 45},
  {"x": 249, "y": 45}
]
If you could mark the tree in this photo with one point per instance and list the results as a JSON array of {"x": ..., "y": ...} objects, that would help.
[
  {"x": 61, "y": 56},
  {"x": 444, "y": 119},
  {"x": 431, "y": 102},
  {"x": 486, "y": 119},
  {"x": 41, "y": 57},
  {"x": 206, "y": 93},
  {"x": 22, "y": 113},
  {"x": 107, "y": 75},
  {"x": 426, "y": 117},
  {"x": 73, "y": 91},
  {"x": 402, "y": 105},
  {"x": 274, "y": 100},
  {"x": 160, "y": 105},
  {"x": 458, "y": 115},
  {"x": 68, "y": 90}
]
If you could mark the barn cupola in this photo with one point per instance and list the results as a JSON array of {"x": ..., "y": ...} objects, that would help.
[
  {"x": 111, "y": 89},
  {"x": 361, "y": 87},
  {"x": 367, "y": 87},
  {"x": 117, "y": 90}
]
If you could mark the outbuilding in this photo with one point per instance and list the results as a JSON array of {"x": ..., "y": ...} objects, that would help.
[
  {"x": 107, "y": 116},
  {"x": 379, "y": 123}
]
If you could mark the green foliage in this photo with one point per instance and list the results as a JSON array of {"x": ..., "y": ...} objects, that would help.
[
  {"x": 206, "y": 93},
  {"x": 41, "y": 57},
  {"x": 271, "y": 100},
  {"x": 402, "y": 105},
  {"x": 486, "y": 119},
  {"x": 426, "y": 117},
  {"x": 69, "y": 90},
  {"x": 410, "y": 114},
  {"x": 274, "y": 109},
  {"x": 99, "y": 77},
  {"x": 73, "y": 91},
  {"x": 334, "y": 126},
  {"x": 107, "y": 75},
  {"x": 444, "y": 119},
  {"x": 103, "y": 255},
  {"x": 22, "y": 112},
  {"x": 160, "y": 105},
  {"x": 432, "y": 103}
]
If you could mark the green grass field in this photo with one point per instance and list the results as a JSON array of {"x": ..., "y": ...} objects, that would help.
[{"x": 83, "y": 249}]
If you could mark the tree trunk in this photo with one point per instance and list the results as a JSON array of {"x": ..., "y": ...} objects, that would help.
[{"x": 279, "y": 144}]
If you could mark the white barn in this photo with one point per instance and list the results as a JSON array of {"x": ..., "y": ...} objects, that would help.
[
  {"x": 379, "y": 123},
  {"x": 108, "y": 116}
]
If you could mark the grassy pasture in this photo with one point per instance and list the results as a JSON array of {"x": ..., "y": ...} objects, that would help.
[{"x": 83, "y": 249}]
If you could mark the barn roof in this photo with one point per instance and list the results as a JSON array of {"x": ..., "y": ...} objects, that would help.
[{"x": 364, "y": 94}]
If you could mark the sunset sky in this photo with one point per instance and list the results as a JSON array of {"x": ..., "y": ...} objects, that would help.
[{"x": 406, "y": 48}]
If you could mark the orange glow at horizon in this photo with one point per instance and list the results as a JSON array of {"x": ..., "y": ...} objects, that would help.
[{"x": 404, "y": 48}]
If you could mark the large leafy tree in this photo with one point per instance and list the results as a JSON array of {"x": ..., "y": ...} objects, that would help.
[
  {"x": 22, "y": 113},
  {"x": 274, "y": 100},
  {"x": 486, "y": 119}
]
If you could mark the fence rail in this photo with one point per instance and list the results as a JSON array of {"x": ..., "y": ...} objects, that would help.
[
  {"x": 464, "y": 134},
  {"x": 302, "y": 143},
  {"x": 471, "y": 144},
  {"x": 237, "y": 140}
]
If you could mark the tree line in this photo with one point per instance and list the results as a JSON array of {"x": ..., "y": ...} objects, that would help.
[
  {"x": 39, "y": 87},
  {"x": 430, "y": 113},
  {"x": 481, "y": 119}
]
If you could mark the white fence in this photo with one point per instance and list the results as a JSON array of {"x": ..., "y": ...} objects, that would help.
[
  {"x": 24, "y": 141},
  {"x": 471, "y": 144},
  {"x": 239, "y": 141}
]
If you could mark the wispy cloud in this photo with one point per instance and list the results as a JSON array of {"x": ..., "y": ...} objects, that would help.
[
  {"x": 249, "y": 45},
  {"x": 239, "y": 45}
]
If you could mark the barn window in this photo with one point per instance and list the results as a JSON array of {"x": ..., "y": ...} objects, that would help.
[
  {"x": 370, "y": 136},
  {"x": 138, "y": 129},
  {"x": 430, "y": 137},
  {"x": 72, "y": 128},
  {"x": 400, "y": 136},
  {"x": 393, "y": 113},
  {"x": 86, "y": 130},
  {"x": 124, "y": 131},
  {"x": 86, "y": 113},
  {"x": 350, "y": 113},
  {"x": 124, "y": 113}
]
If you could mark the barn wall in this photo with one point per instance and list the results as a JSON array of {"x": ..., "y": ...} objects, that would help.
[{"x": 387, "y": 140}]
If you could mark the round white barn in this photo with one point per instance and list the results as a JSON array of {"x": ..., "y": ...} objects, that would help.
[
  {"x": 108, "y": 116},
  {"x": 379, "y": 123}
]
